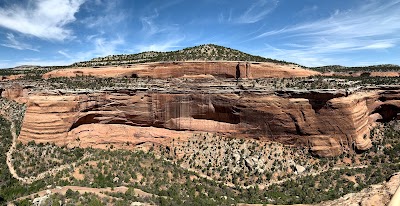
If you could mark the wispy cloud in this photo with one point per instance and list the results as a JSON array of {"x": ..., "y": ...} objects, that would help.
[
  {"x": 42, "y": 62},
  {"x": 151, "y": 27},
  {"x": 65, "y": 54},
  {"x": 257, "y": 11},
  {"x": 111, "y": 14},
  {"x": 223, "y": 18},
  {"x": 373, "y": 26},
  {"x": 105, "y": 46},
  {"x": 322, "y": 53},
  {"x": 301, "y": 56},
  {"x": 167, "y": 45},
  {"x": 104, "y": 21},
  {"x": 45, "y": 19},
  {"x": 100, "y": 46},
  {"x": 148, "y": 24},
  {"x": 12, "y": 42},
  {"x": 371, "y": 20},
  {"x": 307, "y": 10},
  {"x": 379, "y": 45}
]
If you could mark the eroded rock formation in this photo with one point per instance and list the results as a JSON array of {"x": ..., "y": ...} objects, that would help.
[
  {"x": 174, "y": 70},
  {"x": 13, "y": 92},
  {"x": 328, "y": 126}
]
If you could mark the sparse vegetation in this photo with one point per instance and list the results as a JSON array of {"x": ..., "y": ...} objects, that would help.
[
  {"x": 10, "y": 188},
  {"x": 206, "y": 52},
  {"x": 172, "y": 184},
  {"x": 30, "y": 160},
  {"x": 374, "y": 68},
  {"x": 207, "y": 168},
  {"x": 31, "y": 73},
  {"x": 267, "y": 84},
  {"x": 14, "y": 111}
]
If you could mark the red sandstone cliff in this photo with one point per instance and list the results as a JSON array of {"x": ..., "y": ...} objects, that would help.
[
  {"x": 327, "y": 126},
  {"x": 180, "y": 69}
]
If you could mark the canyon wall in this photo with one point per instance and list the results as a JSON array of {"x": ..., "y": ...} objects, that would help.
[
  {"x": 175, "y": 70},
  {"x": 326, "y": 123}
]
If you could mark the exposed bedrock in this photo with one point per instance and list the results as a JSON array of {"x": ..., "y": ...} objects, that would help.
[
  {"x": 14, "y": 91},
  {"x": 340, "y": 124},
  {"x": 189, "y": 69}
]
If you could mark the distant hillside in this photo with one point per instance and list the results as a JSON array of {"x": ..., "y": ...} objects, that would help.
[
  {"x": 206, "y": 52},
  {"x": 30, "y": 71},
  {"x": 373, "y": 68}
]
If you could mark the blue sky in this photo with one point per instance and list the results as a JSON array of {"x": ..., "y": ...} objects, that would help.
[{"x": 308, "y": 32}]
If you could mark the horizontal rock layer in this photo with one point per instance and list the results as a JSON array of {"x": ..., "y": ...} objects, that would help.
[
  {"x": 328, "y": 126},
  {"x": 191, "y": 69}
]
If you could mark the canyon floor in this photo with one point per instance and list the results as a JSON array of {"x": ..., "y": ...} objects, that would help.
[{"x": 199, "y": 133}]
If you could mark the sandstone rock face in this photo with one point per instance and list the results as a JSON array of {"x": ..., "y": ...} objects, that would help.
[
  {"x": 11, "y": 77},
  {"x": 327, "y": 126},
  {"x": 182, "y": 69},
  {"x": 123, "y": 136},
  {"x": 13, "y": 92}
]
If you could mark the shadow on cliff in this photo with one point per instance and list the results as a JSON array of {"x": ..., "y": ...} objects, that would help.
[
  {"x": 87, "y": 119},
  {"x": 388, "y": 112}
]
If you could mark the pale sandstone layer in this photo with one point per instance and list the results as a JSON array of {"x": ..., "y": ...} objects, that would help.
[
  {"x": 326, "y": 123},
  {"x": 175, "y": 70}
]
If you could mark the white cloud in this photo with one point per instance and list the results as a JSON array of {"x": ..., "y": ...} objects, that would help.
[
  {"x": 163, "y": 46},
  {"x": 110, "y": 15},
  {"x": 306, "y": 10},
  {"x": 322, "y": 53},
  {"x": 12, "y": 42},
  {"x": 222, "y": 18},
  {"x": 41, "y": 62},
  {"x": 65, "y": 54},
  {"x": 373, "y": 26},
  {"x": 104, "y": 21},
  {"x": 257, "y": 11},
  {"x": 148, "y": 24},
  {"x": 105, "y": 46},
  {"x": 300, "y": 56},
  {"x": 379, "y": 45},
  {"x": 101, "y": 47},
  {"x": 150, "y": 27},
  {"x": 373, "y": 19},
  {"x": 45, "y": 19}
]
